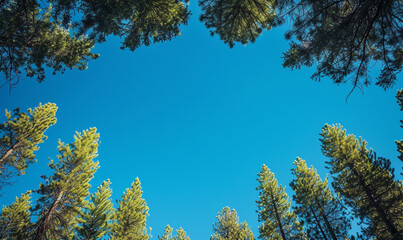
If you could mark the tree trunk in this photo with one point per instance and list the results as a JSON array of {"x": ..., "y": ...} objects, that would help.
[
  {"x": 278, "y": 219},
  {"x": 317, "y": 222},
  {"x": 8, "y": 153},
  {"x": 329, "y": 227},
  {"x": 373, "y": 202},
  {"x": 44, "y": 221}
]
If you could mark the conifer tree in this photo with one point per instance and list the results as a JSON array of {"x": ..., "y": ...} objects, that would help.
[
  {"x": 341, "y": 38},
  {"x": 15, "y": 219},
  {"x": 31, "y": 40},
  {"x": 228, "y": 227},
  {"x": 64, "y": 193},
  {"x": 60, "y": 34},
  {"x": 129, "y": 219},
  {"x": 368, "y": 187},
  {"x": 180, "y": 234},
  {"x": 237, "y": 21},
  {"x": 95, "y": 218},
  {"x": 323, "y": 213},
  {"x": 274, "y": 209},
  {"x": 167, "y": 233},
  {"x": 20, "y": 136}
]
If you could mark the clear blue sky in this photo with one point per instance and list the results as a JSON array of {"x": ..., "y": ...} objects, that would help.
[{"x": 195, "y": 120}]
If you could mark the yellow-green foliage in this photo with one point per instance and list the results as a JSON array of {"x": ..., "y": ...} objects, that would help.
[
  {"x": 366, "y": 185},
  {"x": 64, "y": 193},
  {"x": 180, "y": 234},
  {"x": 129, "y": 219},
  {"x": 15, "y": 219},
  {"x": 228, "y": 227},
  {"x": 278, "y": 220},
  {"x": 238, "y": 21}
]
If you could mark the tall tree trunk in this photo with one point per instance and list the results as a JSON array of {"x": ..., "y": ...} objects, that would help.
[
  {"x": 317, "y": 222},
  {"x": 278, "y": 218},
  {"x": 44, "y": 221},
  {"x": 373, "y": 202},
  {"x": 8, "y": 153},
  {"x": 328, "y": 226}
]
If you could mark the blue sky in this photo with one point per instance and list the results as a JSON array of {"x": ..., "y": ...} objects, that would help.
[{"x": 195, "y": 121}]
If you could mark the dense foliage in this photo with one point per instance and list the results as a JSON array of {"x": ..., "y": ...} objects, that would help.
[
  {"x": 341, "y": 38},
  {"x": 60, "y": 34},
  {"x": 20, "y": 136},
  {"x": 228, "y": 227}
]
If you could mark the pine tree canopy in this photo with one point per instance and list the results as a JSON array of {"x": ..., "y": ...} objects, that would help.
[
  {"x": 129, "y": 219},
  {"x": 341, "y": 38},
  {"x": 63, "y": 194},
  {"x": 324, "y": 214},
  {"x": 96, "y": 215},
  {"x": 237, "y": 21},
  {"x": 228, "y": 227},
  {"x": 15, "y": 219},
  {"x": 60, "y": 34},
  {"x": 366, "y": 182},
  {"x": 20, "y": 136},
  {"x": 180, "y": 234},
  {"x": 274, "y": 210}
]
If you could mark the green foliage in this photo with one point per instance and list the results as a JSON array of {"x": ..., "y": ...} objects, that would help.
[
  {"x": 64, "y": 193},
  {"x": 131, "y": 215},
  {"x": 95, "y": 218},
  {"x": 367, "y": 185},
  {"x": 20, "y": 136},
  {"x": 323, "y": 213},
  {"x": 399, "y": 97},
  {"x": 30, "y": 41},
  {"x": 229, "y": 228},
  {"x": 38, "y": 34},
  {"x": 180, "y": 234},
  {"x": 274, "y": 210},
  {"x": 237, "y": 20},
  {"x": 399, "y": 144},
  {"x": 15, "y": 219},
  {"x": 138, "y": 22},
  {"x": 342, "y": 38}
]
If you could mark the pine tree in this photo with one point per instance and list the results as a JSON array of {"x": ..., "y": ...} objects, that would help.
[
  {"x": 15, "y": 219},
  {"x": 341, "y": 38},
  {"x": 131, "y": 215},
  {"x": 274, "y": 209},
  {"x": 237, "y": 21},
  {"x": 95, "y": 220},
  {"x": 323, "y": 213},
  {"x": 32, "y": 40},
  {"x": 64, "y": 193},
  {"x": 35, "y": 35},
  {"x": 180, "y": 234},
  {"x": 20, "y": 136},
  {"x": 167, "y": 233},
  {"x": 367, "y": 186},
  {"x": 229, "y": 228}
]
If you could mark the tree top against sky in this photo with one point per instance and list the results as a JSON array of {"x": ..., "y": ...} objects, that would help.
[{"x": 342, "y": 39}]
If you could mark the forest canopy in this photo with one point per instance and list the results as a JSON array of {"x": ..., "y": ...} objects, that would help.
[{"x": 342, "y": 39}]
